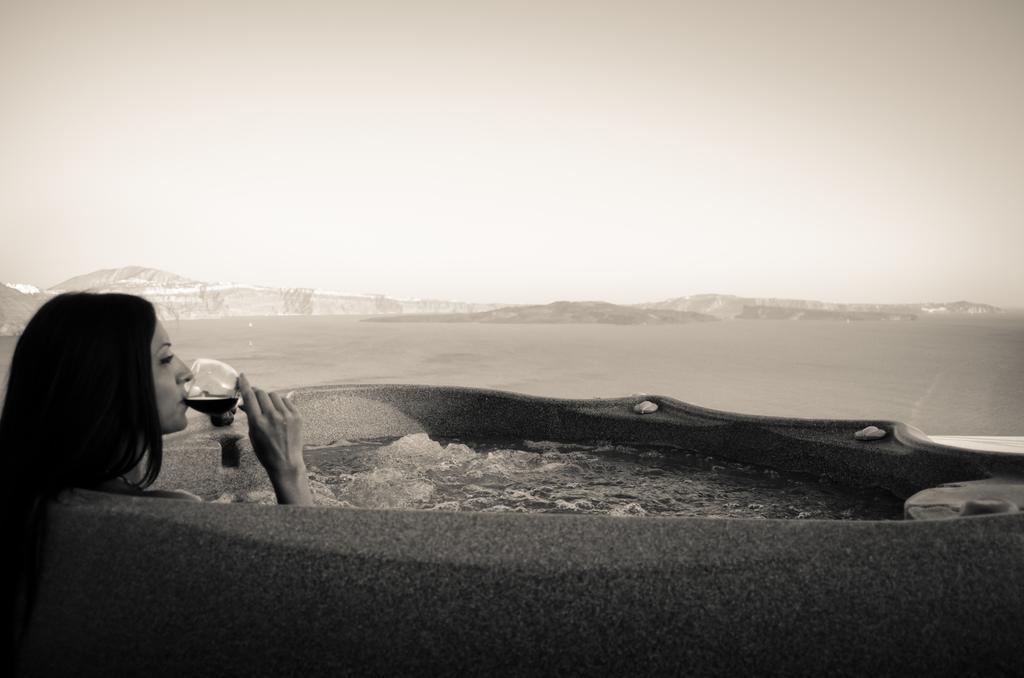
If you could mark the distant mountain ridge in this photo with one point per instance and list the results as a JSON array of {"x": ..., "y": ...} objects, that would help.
[
  {"x": 561, "y": 312},
  {"x": 125, "y": 278},
  {"x": 178, "y": 297},
  {"x": 729, "y": 306},
  {"x": 790, "y": 313}
]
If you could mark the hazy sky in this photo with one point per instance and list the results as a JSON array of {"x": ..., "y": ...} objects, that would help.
[{"x": 520, "y": 152}]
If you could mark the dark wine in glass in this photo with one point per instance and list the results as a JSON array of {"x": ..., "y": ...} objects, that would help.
[
  {"x": 209, "y": 405},
  {"x": 214, "y": 387}
]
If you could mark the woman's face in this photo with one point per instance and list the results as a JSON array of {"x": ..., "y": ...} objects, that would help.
[{"x": 169, "y": 377}]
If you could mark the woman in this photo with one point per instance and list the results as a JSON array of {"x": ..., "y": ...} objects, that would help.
[{"x": 92, "y": 387}]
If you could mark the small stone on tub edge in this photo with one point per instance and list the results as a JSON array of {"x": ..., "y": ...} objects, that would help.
[
  {"x": 870, "y": 433},
  {"x": 646, "y": 407}
]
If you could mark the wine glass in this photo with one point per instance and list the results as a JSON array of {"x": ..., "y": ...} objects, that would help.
[{"x": 214, "y": 387}]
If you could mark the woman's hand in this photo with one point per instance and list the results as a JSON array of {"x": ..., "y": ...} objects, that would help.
[{"x": 275, "y": 429}]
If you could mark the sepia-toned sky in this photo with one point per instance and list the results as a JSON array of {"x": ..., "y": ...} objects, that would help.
[{"x": 520, "y": 152}]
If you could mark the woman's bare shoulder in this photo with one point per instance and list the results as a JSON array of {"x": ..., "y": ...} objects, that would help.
[
  {"x": 173, "y": 494},
  {"x": 81, "y": 495}
]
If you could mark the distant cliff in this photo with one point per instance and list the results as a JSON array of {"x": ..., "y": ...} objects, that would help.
[
  {"x": 728, "y": 306},
  {"x": 177, "y": 297},
  {"x": 16, "y": 307},
  {"x": 560, "y": 312}
]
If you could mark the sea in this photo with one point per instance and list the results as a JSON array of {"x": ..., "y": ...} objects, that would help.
[{"x": 946, "y": 375}]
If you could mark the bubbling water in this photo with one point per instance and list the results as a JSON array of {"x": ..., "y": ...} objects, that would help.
[{"x": 418, "y": 472}]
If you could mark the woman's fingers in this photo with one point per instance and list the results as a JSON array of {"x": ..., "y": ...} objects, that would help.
[
  {"x": 279, "y": 403},
  {"x": 289, "y": 404},
  {"x": 257, "y": 401},
  {"x": 250, "y": 405},
  {"x": 266, "y": 404}
]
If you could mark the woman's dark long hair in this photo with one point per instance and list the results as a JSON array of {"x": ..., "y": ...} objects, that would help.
[{"x": 80, "y": 409}]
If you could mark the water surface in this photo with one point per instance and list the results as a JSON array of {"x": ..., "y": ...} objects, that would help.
[
  {"x": 447, "y": 474},
  {"x": 954, "y": 375}
]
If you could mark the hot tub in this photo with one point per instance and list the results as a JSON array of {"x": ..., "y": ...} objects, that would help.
[{"x": 144, "y": 586}]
